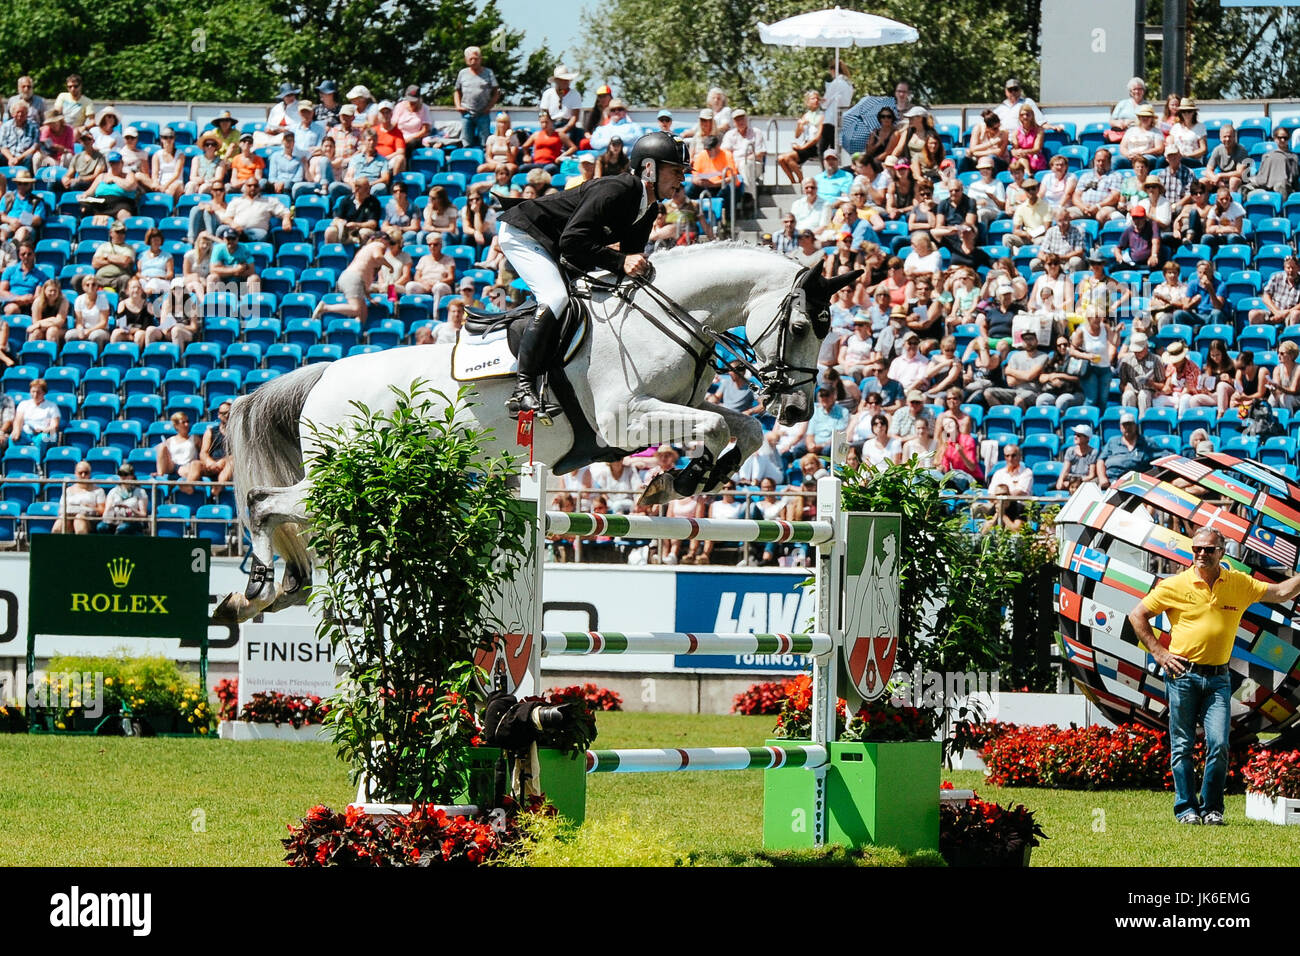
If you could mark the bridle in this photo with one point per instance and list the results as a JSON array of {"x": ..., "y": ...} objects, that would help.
[{"x": 776, "y": 378}]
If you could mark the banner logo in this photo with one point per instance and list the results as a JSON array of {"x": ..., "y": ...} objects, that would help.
[{"x": 120, "y": 571}]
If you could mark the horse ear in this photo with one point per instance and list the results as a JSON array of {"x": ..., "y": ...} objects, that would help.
[
  {"x": 812, "y": 283},
  {"x": 834, "y": 284}
]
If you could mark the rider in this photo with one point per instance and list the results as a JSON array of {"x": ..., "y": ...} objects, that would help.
[{"x": 581, "y": 225}]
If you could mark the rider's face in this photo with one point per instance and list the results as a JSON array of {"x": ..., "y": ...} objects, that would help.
[{"x": 670, "y": 178}]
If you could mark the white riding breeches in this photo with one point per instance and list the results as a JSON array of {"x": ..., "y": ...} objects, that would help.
[{"x": 535, "y": 267}]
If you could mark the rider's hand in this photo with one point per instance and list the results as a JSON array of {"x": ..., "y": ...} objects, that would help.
[{"x": 636, "y": 264}]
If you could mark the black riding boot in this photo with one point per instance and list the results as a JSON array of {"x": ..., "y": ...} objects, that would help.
[{"x": 535, "y": 348}]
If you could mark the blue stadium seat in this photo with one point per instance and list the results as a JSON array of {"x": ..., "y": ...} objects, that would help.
[
  {"x": 317, "y": 282},
  {"x": 1278, "y": 451},
  {"x": 1195, "y": 418},
  {"x": 323, "y": 353},
  {"x": 262, "y": 332},
  {"x": 1041, "y": 419},
  {"x": 283, "y": 357},
  {"x": 1257, "y": 337},
  {"x": 1045, "y": 475},
  {"x": 156, "y": 206},
  {"x": 60, "y": 461},
  {"x": 38, "y": 355},
  {"x": 191, "y": 405},
  {"x": 124, "y": 436},
  {"x": 1040, "y": 446},
  {"x": 302, "y": 332},
  {"x": 343, "y": 332},
  {"x": 204, "y": 356},
  {"x": 141, "y": 381},
  {"x": 1263, "y": 204},
  {"x": 63, "y": 228},
  {"x": 83, "y": 434},
  {"x": 181, "y": 381},
  {"x": 429, "y": 162},
  {"x": 1172, "y": 332},
  {"x": 454, "y": 183},
  {"x": 387, "y": 334},
  {"x": 80, "y": 355},
  {"x": 1232, "y": 258},
  {"x": 62, "y": 380},
  {"x": 333, "y": 256},
  {"x": 362, "y": 350},
  {"x": 258, "y": 305},
  {"x": 279, "y": 281},
  {"x": 40, "y": 517},
  {"x": 415, "y": 308},
  {"x": 1244, "y": 306},
  {"x": 1229, "y": 425},
  {"x": 295, "y": 255},
  {"x": 104, "y": 460},
  {"x": 312, "y": 208},
  {"x": 1272, "y": 230},
  {"x": 1208, "y": 333},
  {"x": 213, "y": 524},
  {"x": 145, "y": 409},
  {"x": 1271, "y": 257},
  {"x": 463, "y": 161},
  {"x": 161, "y": 356},
  {"x": 1158, "y": 421},
  {"x": 53, "y": 254},
  {"x": 1006, "y": 418},
  {"x": 21, "y": 459},
  {"x": 173, "y": 521},
  {"x": 1243, "y": 445},
  {"x": 223, "y": 383},
  {"x": 258, "y": 377}
]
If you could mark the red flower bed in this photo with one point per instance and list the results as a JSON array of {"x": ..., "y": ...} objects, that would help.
[
  {"x": 596, "y": 697},
  {"x": 761, "y": 699},
  {"x": 227, "y": 692},
  {"x": 1089, "y": 758},
  {"x": 1274, "y": 774},
  {"x": 269, "y": 708},
  {"x": 424, "y": 837},
  {"x": 986, "y": 834}
]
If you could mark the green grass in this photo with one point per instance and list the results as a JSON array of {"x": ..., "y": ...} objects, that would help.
[{"x": 129, "y": 802}]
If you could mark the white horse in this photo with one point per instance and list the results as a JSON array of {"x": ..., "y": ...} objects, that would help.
[{"x": 640, "y": 378}]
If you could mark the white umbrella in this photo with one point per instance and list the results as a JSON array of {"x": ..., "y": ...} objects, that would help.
[{"x": 836, "y": 28}]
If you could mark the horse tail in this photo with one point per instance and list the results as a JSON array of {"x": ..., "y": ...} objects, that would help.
[{"x": 263, "y": 435}]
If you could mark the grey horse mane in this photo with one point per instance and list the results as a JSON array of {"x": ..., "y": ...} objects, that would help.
[{"x": 726, "y": 245}]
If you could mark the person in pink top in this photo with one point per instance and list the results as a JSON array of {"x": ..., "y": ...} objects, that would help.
[{"x": 412, "y": 117}]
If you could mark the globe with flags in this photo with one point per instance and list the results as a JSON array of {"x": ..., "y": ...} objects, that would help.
[{"x": 1116, "y": 544}]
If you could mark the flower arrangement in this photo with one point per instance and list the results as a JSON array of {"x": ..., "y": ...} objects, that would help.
[
  {"x": 598, "y": 698},
  {"x": 881, "y": 722},
  {"x": 1274, "y": 774},
  {"x": 151, "y": 690},
  {"x": 276, "y": 708},
  {"x": 1089, "y": 758},
  {"x": 227, "y": 694},
  {"x": 12, "y": 720},
  {"x": 980, "y": 833},
  {"x": 761, "y": 699},
  {"x": 794, "y": 721},
  {"x": 424, "y": 837}
]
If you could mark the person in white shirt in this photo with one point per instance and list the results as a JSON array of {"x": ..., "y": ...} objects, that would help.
[
  {"x": 812, "y": 211},
  {"x": 37, "y": 420},
  {"x": 910, "y": 367},
  {"x": 562, "y": 101},
  {"x": 1124, "y": 114},
  {"x": 987, "y": 192},
  {"x": 283, "y": 112},
  {"x": 125, "y": 502},
  {"x": 251, "y": 213},
  {"x": 1013, "y": 478},
  {"x": 1009, "y": 109},
  {"x": 746, "y": 144},
  {"x": 449, "y": 331}
]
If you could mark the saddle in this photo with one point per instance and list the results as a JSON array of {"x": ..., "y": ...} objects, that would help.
[{"x": 488, "y": 344}]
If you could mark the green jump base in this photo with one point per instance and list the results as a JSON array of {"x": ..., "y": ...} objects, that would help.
[{"x": 877, "y": 794}]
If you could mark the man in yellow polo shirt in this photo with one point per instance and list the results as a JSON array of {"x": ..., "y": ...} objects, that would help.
[{"x": 1204, "y": 605}]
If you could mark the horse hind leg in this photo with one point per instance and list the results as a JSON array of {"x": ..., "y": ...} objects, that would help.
[{"x": 296, "y": 578}]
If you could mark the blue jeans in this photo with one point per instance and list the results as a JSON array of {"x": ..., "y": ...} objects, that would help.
[
  {"x": 1206, "y": 699},
  {"x": 474, "y": 129},
  {"x": 1095, "y": 385}
]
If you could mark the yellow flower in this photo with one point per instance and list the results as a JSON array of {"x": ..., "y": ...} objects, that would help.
[
  {"x": 61, "y": 726},
  {"x": 108, "y": 682},
  {"x": 203, "y": 730}
]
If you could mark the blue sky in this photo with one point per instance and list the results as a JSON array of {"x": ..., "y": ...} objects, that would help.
[{"x": 540, "y": 21}]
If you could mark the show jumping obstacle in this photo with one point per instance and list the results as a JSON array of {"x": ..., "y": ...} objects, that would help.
[{"x": 856, "y": 585}]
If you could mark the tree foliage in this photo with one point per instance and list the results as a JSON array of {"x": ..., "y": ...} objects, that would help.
[
  {"x": 672, "y": 51},
  {"x": 241, "y": 50},
  {"x": 1234, "y": 52}
]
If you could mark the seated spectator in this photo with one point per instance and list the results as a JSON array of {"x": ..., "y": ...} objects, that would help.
[
  {"x": 1124, "y": 114},
  {"x": 1058, "y": 185},
  {"x": 1229, "y": 163},
  {"x": 1032, "y": 217},
  {"x": 997, "y": 319},
  {"x": 1285, "y": 381},
  {"x": 20, "y": 139},
  {"x": 285, "y": 169},
  {"x": 77, "y": 108},
  {"x": 546, "y": 147},
  {"x": 448, "y": 332},
  {"x": 501, "y": 151},
  {"x": 368, "y": 163},
  {"x": 50, "y": 310},
  {"x": 399, "y": 213},
  {"x": 855, "y": 350},
  {"x": 1183, "y": 387},
  {"x": 136, "y": 321},
  {"x": 155, "y": 268},
  {"x": 355, "y": 217},
  {"x": 810, "y": 138},
  {"x": 412, "y": 117},
  {"x": 1061, "y": 377},
  {"x": 1027, "y": 141},
  {"x": 1097, "y": 191},
  {"x": 246, "y": 165},
  {"x": 1081, "y": 460},
  {"x": 233, "y": 267},
  {"x": 1279, "y": 169},
  {"x": 901, "y": 193},
  {"x": 1023, "y": 369},
  {"x": 167, "y": 167},
  {"x": 613, "y": 160},
  {"x": 1224, "y": 220},
  {"x": 435, "y": 272},
  {"x": 910, "y": 366},
  {"x": 126, "y": 506},
  {"x": 1281, "y": 296},
  {"x": 814, "y": 436},
  {"x": 833, "y": 181},
  {"x": 957, "y": 227},
  {"x": 22, "y": 211},
  {"x": 478, "y": 222},
  {"x": 441, "y": 217},
  {"x": 1251, "y": 382},
  {"x": 1218, "y": 375},
  {"x": 924, "y": 259},
  {"x": 1096, "y": 341},
  {"x": 1065, "y": 242},
  {"x": 136, "y": 160},
  {"x": 881, "y": 450},
  {"x": 85, "y": 166},
  {"x": 105, "y": 129},
  {"x": 620, "y": 126},
  {"x": 20, "y": 282},
  {"x": 394, "y": 274},
  {"x": 735, "y": 392},
  {"x": 1139, "y": 244},
  {"x": 956, "y": 455},
  {"x": 1012, "y": 480},
  {"x": 90, "y": 314},
  {"x": 207, "y": 170},
  {"x": 114, "y": 261},
  {"x": 1127, "y": 451},
  {"x": 713, "y": 171},
  {"x": 209, "y": 215},
  {"x": 1189, "y": 224},
  {"x": 81, "y": 506},
  {"x": 177, "y": 456},
  {"x": 903, "y": 423},
  {"x": 37, "y": 420},
  {"x": 196, "y": 268},
  {"x": 25, "y": 95},
  {"x": 924, "y": 215},
  {"x": 308, "y": 132},
  {"x": 113, "y": 193},
  {"x": 1141, "y": 374},
  {"x": 952, "y": 411},
  {"x": 1144, "y": 139},
  {"x": 251, "y": 213},
  {"x": 878, "y": 383},
  {"x": 586, "y": 172},
  {"x": 1171, "y": 300}
]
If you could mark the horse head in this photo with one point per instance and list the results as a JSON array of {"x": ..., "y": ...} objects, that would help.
[{"x": 786, "y": 348}]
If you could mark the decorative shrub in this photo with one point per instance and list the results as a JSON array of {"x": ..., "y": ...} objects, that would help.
[
  {"x": 794, "y": 722},
  {"x": 1274, "y": 774},
  {"x": 414, "y": 524},
  {"x": 227, "y": 693},
  {"x": 151, "y": 689},
  {"x": 595, "y": 696},
  {"x": 1090, "y": 758},
  {"x": 881, "y": 722},
  {"x": 761, "y": 699},
  {"x": 986, "y": 834},
  {"x": 423, "y": 837}
]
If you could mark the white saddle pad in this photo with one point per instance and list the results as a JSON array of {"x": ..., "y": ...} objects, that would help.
[{"x": 478, "y": 357}]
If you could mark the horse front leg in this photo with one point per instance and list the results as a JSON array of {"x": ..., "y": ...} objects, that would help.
[
  {"x": 268, "y": 508},
  {"x": 646, "y": 422},
  {"x": 748, "y": 435}
]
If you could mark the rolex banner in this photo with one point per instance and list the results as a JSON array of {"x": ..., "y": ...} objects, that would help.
[{"x": 118, "y": 587}]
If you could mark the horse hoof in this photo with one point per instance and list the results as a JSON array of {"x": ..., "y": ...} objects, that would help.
[
  {"x": 285, "y": 599},
  {"x": 659, "y": 491},
  {"x": 227, "y": 612}
]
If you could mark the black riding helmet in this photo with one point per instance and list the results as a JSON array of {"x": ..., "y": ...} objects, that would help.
[{"x": 661, "y": 147}]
